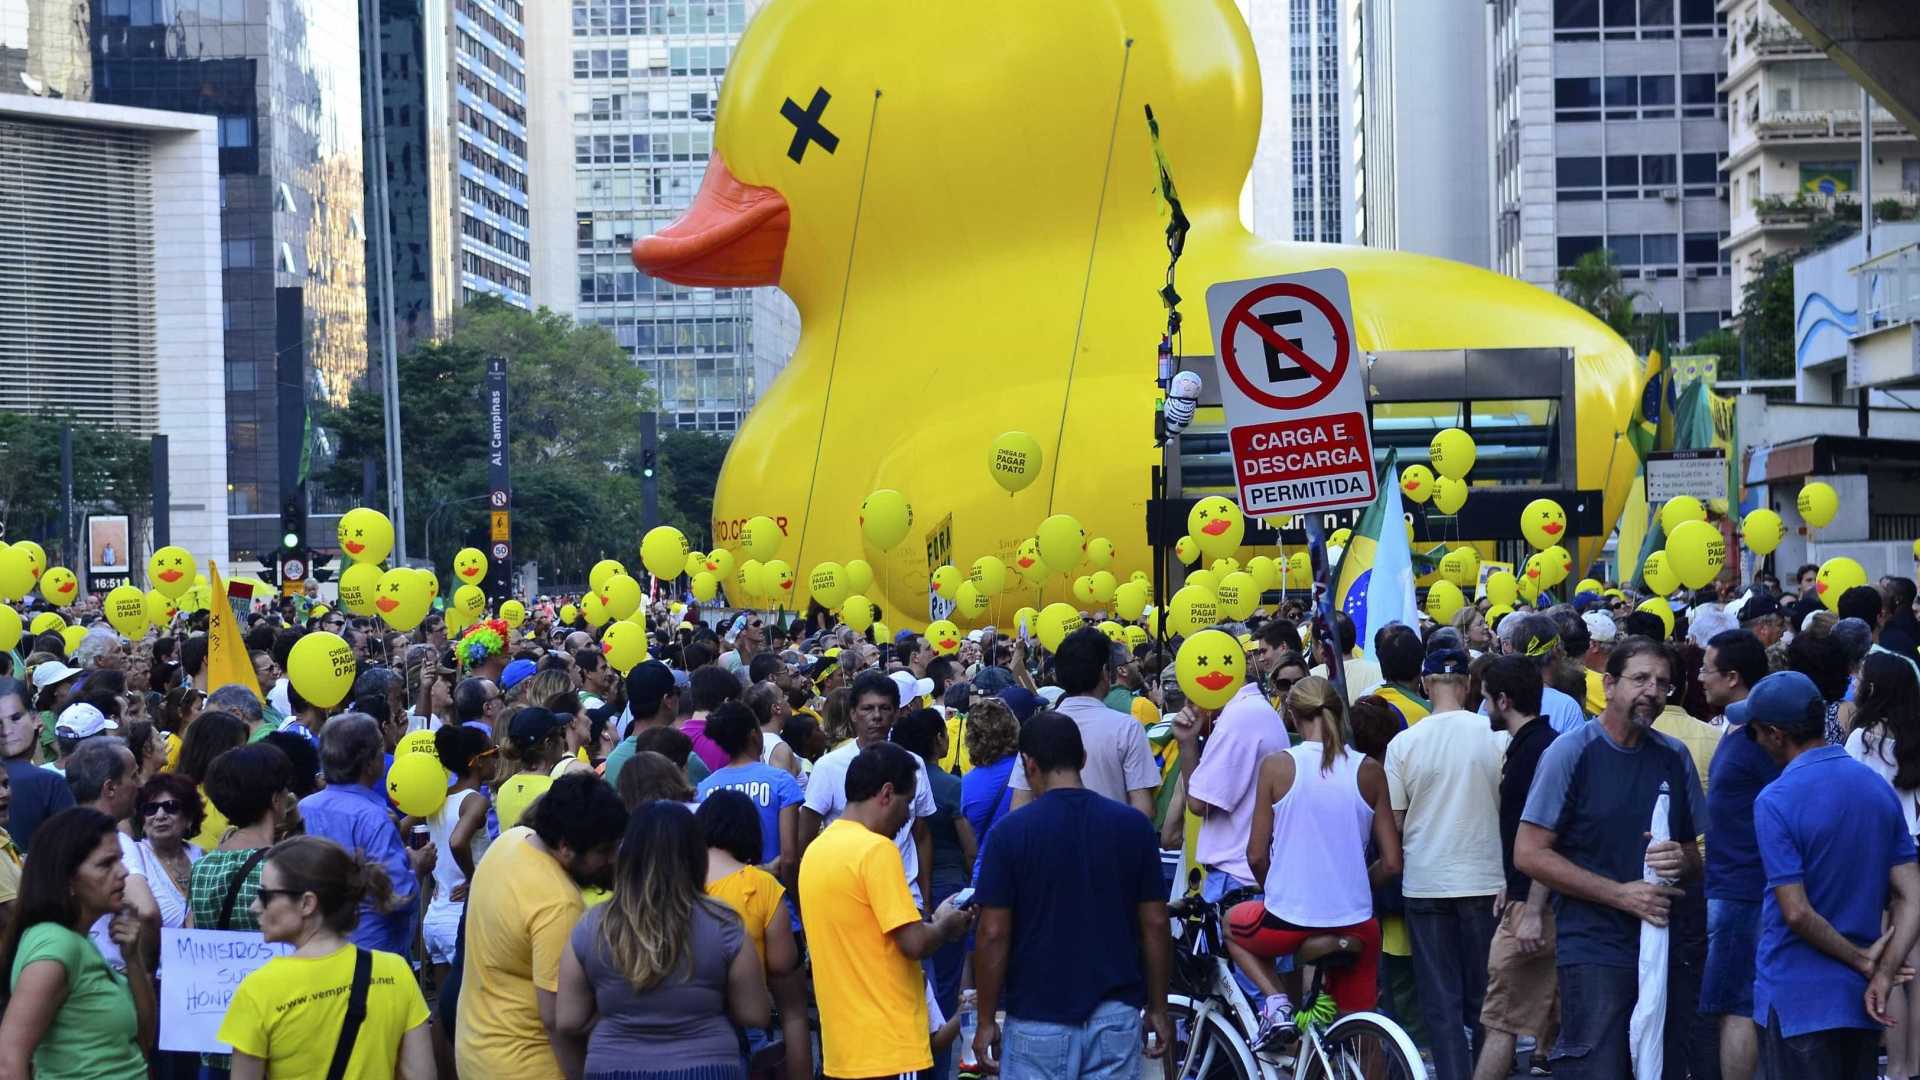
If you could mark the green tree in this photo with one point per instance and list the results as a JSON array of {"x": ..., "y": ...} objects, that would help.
[
  {"x": 1766, "y": 319},
  {"x": 689, "y": 471},
  {"x": 1594, "y": 283},
  {"x": 575, "y": 400},
  {"x": 112, "y": 474}
]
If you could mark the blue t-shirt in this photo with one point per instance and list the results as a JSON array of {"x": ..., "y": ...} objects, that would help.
[
  {"x": 1738, "y": 772},
  {"x": 1597, "y": 798},
  {"x": 1073, "y": 867},
  {"x": 771, "y": 790},
  {"x": 1827, "y": 826},
  {"x": 38, "y": 794},
  {"x": 986, "y": 795}
]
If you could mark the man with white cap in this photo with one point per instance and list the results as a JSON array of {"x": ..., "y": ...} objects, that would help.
[
  {"x": 1602, "y": 632},
  {"x": 78, "y": 722},
  {"x": 876, "y": 700},
  {"x": 911, "y": 689}
]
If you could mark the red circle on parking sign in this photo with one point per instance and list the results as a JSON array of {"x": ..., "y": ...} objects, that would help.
[{"x": 1323, "y": 379}]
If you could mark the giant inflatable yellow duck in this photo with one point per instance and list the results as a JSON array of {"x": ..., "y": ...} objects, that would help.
[{"x": 961, "y": 200}]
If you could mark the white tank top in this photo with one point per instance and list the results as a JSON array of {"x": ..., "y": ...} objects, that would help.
[
  {"x": 1318, "y": 873},
  {"x": 446, "y": 872}
]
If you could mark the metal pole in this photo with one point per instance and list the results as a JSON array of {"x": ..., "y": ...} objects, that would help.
[
  {"x": 162, "y": 495},
  {"x": 376, "y": 166},
  {"x": 1863, "y": 405},
  {"x": 67, "y": 547}
]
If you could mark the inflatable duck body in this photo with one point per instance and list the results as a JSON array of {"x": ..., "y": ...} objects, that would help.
[{"x": 962, "y": 201}]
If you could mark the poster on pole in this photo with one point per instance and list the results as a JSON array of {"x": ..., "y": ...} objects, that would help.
[
  {"x": 199, "y": 971},
  {"x": 499, "y": 479},
  {"x": 1673, "y": 473}
]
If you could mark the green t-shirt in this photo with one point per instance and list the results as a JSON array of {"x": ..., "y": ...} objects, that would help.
[
  {"x": 696, "y": 769},
  {"x": 95, "y": 1035}
]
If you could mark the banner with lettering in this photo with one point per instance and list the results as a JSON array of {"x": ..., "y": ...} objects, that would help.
[{"x": 199, "y": 971}]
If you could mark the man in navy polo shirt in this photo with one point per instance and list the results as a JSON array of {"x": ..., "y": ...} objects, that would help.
[{"x": 1834, "y": 846}]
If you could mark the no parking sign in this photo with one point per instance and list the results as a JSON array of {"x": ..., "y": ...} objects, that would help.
[{"x": 1294, "y": 386}]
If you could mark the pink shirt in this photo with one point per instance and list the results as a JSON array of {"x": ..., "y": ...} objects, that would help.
[
  {"x": 695, "y": 729},
  {"x": 1245, "y": 732}
]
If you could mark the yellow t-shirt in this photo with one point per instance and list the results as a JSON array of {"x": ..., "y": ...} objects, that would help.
[
  {"x": 521, "y": 907},
  {"x": 9, "y": 869},
  {"x": 1596, "y": 702},
  {"x": 212, "y": 827},
  {"x": 173, "y": 752},
  {"x": 1413, "y": 711},
  {"x": 755, "y": 895},
  {"x": 873, "y": 1005},
  {"x": 517, "y": 794},
  {"x": 289, "y": 1012},
  {"x": 957, "y": 746}
]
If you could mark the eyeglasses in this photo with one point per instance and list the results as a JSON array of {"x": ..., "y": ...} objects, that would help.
[
  {"x": 1284, "y": 685},
  {"x": 266, "y": 895},
  {"x": 1643, "y": 680},
  {"x": 159, "y": 806}
]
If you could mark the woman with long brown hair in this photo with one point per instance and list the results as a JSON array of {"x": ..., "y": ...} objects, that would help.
[{"x": 661, "y": 974}]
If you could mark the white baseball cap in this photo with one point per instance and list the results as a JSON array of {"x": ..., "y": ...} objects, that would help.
[
  {"x": 51, "y": 673},
  {"x": 910, "y": 687},
  {"x": 1600, "y": 627},
  {"x": 82, "y": 721}
]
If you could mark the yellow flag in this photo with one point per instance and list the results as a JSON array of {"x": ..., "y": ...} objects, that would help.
[{"x": 227, "y": 660}]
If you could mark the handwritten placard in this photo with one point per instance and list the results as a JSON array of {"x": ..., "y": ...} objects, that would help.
[{"x": 199, "y": 971}]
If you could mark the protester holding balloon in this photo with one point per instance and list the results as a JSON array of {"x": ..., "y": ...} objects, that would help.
[
  {"x": 352, "y": 811},
  {"x": 459, "y": 833}
]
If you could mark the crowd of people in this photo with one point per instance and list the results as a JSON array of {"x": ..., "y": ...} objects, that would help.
[{"x": 784, "y": 848}]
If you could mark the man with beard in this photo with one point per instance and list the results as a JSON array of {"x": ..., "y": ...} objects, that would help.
[
  {"x": 521, "y": 906},
  {"x": 1583, "y": 834}
]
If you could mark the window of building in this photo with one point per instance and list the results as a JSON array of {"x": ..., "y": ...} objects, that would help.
[
  {"x": 1700, "y": 173},
  {"x": 1910, "y": 174},
  {"x": 1656, "y": 97},
  {"x": 1575, "y": 15},
  {"x": 1570, "y": 248},
  {"x": 1702, "y": 249},
  {"x": 1699, "y": 324},
  {"x": 237, "y": 254},
  {"x": 1698, "y": 94},
  {"x": 1625, "y": 248},
  {"x": 236, "y": 132}
]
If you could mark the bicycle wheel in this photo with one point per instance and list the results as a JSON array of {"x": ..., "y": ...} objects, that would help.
[
  {"x": 1365, "y": 1046},
  {"x": 1209, "y": 1048}
]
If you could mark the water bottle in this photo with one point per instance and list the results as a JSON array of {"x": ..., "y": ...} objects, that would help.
[{"x": 969, "y": 1023}]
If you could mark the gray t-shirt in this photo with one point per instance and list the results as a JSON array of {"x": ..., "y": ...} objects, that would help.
[{"x": 677, "y": 1026}]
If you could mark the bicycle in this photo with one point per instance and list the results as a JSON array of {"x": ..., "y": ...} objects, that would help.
[{"x": 1214, "y": 1023}]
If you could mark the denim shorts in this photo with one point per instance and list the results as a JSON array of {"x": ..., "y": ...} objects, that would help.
[
  {"x": 1733, "y": 935},
  {"x": 1596, "y": 1003},
  {"x": 1106, "y": 1047}
]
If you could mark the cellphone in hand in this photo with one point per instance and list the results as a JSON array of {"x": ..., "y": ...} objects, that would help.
[{"x": 962, "y": 899}]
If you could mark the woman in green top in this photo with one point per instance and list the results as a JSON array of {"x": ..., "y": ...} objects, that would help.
[
  {"x": 250, "y": 785},
  {"x": 71, "y": 1015}
]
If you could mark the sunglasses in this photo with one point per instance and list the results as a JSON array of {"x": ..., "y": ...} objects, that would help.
[
  {"x": 1284, "y": 685},
  {"x": 160, "y": 806},
  {"x": 266, "y": 895}
]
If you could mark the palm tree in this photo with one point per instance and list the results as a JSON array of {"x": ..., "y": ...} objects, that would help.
[{"x": 1594, "y": 283}]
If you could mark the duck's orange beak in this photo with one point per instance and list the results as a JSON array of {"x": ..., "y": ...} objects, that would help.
[{"x": 734, "y": 235}]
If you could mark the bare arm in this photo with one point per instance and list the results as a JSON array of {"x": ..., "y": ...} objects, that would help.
[
  {"x": 969, "y": 845},
  {"x": 808, "y": 828},
  {"x": 1386, "y": 825},
  {"x": 747, "y": 1001},
  {"x": 1798, "y": 913},
  {"x": 1534, "y": 856},
  {"x": 570, "y": 1051},
  {"x": 1260, "y": 836},
  {"x": 1156, "y": 961},
  {"x": 782, "y": 758},
  {"x": 416, "y": 1053},
  {"x": 247, "y": 1067},
  {"x": 923, "y": 851},
  {"x": 473, "y": 817},
  {"x": 37, "y": 997},
  {"x": 1173, "y": 828},
  {"x": 1904, "y": 881},
  {"x": 574, "y": 1005},
  {"x": 990, "y": 940},
  {"x": 787, "y": 864},
  {"x": 1021, "y": 797},
  {"x": 1141, "y": 799},
  {"x": 920, "y": 940}
]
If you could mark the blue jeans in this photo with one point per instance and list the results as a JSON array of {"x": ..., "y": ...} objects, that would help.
[
  {"x": 1106, "y": 1047},
  {"x": 1733, "y": 934},
  {"x": 1596, "y": 1003},
  {"x": 1215, "y": 885},
  {"x": 1451, "y": 937}
]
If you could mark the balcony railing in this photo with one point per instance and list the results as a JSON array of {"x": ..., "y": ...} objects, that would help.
[
  {"x": 1770, "y": 38},
  {"x": 1820, "y": 123}
]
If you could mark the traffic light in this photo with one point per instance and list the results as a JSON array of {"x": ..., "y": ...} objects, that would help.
[
  {"x": 293, "y": 524},
  {"x": 646, "y": 464}
]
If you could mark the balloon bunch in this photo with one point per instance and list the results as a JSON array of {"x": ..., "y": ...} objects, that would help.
[{"x": 400, "y": 595}]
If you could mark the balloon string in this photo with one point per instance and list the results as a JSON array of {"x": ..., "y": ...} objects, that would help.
[
  {"x": 840, "y": 322},
  {"x": 1086, "y": 285}
]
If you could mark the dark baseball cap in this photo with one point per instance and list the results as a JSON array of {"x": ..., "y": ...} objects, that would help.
[
  {"x": 1758, "y": 606},
  {"x": 533, "y": 724},
  {"x": 1021, "y": 700},
  {"x": 1789, "y": 702},
  {"x": 648, "y": 683},
  {"x": 1446, "y": 662}
]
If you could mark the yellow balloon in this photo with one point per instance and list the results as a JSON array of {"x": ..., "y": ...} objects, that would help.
[
  {"x": 47, "y": 622},
  {"x": 664, "y": 550},
  {"x": 568, "y": 613},
  {"x": 1658, "y": 606},
  {"x": 1453, "y": 453},
  {"x": 194, "y": 599},
  {"x": 9, "y": 628},
  {"x": 1028, "y": 562},
  {"x": 1083, "y": 590},
  {"x": 705, "y": 587},
  {"x": 1129, "y": 600},
  {"x": 1449, "y": 495},
  {"x": 885, "y": 518},
  {"x": 1444, "y": 600},
  {"x": 1212, "y": 667},
  {"x": 1114, "y": 631},
  {"x": 1679, "y": 510},
  {"x": 1266, "y": 573},
  {"x": 1222, "y": 567},
  {"x": 1502, "y": 588},
  {"x": 778, "y": 579},
  {"x": 160, "y": 611},
  {"x": 622, "y": 596},
  {"x": 359, "y": 583},
  {"x": 1556, "y": 565},
  {"x": 1818, "y": 503},
  {"x": 1062, "y": 542},
  {"x": 859, "y": 575},
  {"x": 1216, "y": 524},
  {"x": 1543, "y": 523},
  {"x": 431, "y": 582},
  {"x": 945, "y": 581},
  {"x": 415, "y": 742},
  {"x": 1835, "y": 578},
  {"x": 1591, "y": 585},
  {"x": 1187, "y": 550},
  {"x": 988, "y": 575},
  {"x": 17, "y": 573},
  {"x": 365, "y": 535},
  {"x": 169, "y": 571},
  {"x": 1205, "y": 580},
  {"x": 761, "y": 537},
  {"x": 593, "y": 608},
  {"x": 1154, "y": 619},
  {"x": 72, "y": 636},
  {"x": 720, "y": 563},
  {"x": 748, "y": 583},
  {"x": 126, "y": 609},
  {"x": 470, "y": 601},
  {"x": 828, "y": 584},
  {"x": 1416, "y": 483},
  {"x": 1104, "y": 583},
  {"x": 1696, "y": 551},
  {"x": 1055, "y": 622},
  {"x": 513, "y": 613},
  {"x": 1762, "y": 530},
  {"x": 1026, "y": 620},
  {"x": 1339, "y": 538},
  {"x": 1461, "y": 567},
  {"x": 1529, "y": 588},
  {"x": 943, "y": 637},
  {"x": 402, "y": 598},
  {"x": 1014, "y": 460},
  {"x": 1100, "y": 553},
  {"x": 321, "y": 666},
  {"x": 469, "y": 565},
  {"x": 417, "y": 784},
  {"x": 1299, "y": 573},
  {"x": 1238, "y": 594},
  {"x": 857, "y": 612},
  {"x": 59, "y": 586},
  {"x": 1658, "y": 574},
  {"x": 624, "y": 645},
  {"x": 1192, "y": 610},
  {"x": 696, "y": 563},
  {"x": 881, "y": 631}
]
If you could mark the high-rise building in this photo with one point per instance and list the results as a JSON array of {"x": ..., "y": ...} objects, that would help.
[
  {"x": 1793, "y": 148},
  {"x": 490, "y": 109},
  {"x": 1422, "y": 160},
  {"x": 1608, "y": 133},
  {"x": 110, "y": 298},
  {"x": 645, "y": 88},
  {"x": 281, "y": 80},
  {"x": 1298, "y": 187}
]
